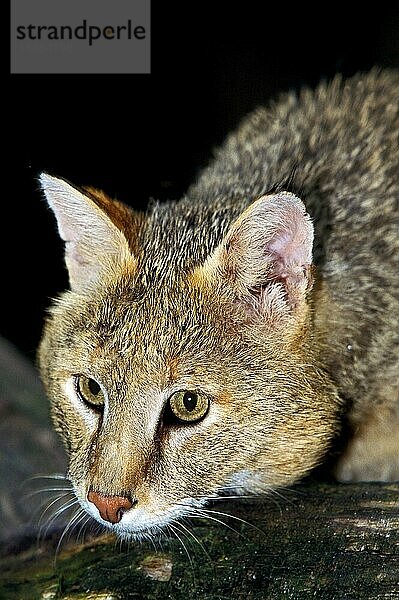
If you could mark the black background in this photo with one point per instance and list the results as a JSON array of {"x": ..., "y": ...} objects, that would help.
[{"x": 141, "y": 136}]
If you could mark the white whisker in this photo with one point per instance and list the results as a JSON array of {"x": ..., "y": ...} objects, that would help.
[
  {"x": 231, "y": 497},
  {"x": 152, "y": 539},
  {"x": 194, "y": 537},
  {"x": 81, "y": 533},
  {"x": 55, "y": 476},
  {"x": 173, "y": 528},
  {"x": 48, "y": 504},
  {"x": 223, "y": 514},
  {"x": 280, "y": 495},
  {"x": 64, "y": 506},
  {"x": 79, "y": 514},
  {"x": 47, "y": 491},
  {"x": 161, "y": 536},
  {"x": 55, "y": 516},
  {"x": 203, "y": 516}
]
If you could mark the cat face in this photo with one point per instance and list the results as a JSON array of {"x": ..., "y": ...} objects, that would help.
[{"x": 170, "y": 385}]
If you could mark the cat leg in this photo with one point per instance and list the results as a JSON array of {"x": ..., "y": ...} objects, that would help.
[{"x": 373, "y": 452}]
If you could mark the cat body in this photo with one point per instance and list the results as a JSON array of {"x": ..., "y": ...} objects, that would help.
[{"x": 201, "y": 349}]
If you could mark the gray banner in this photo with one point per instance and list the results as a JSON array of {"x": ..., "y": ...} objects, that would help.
[{"x": 80, "y": 36}]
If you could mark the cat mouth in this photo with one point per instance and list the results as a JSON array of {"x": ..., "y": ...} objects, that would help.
[{"x": 142, "y": 522}]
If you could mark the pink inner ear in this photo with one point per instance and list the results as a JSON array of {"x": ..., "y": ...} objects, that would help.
[
  {"x": 268, "y": 254},
  {"x": 74, "y": 254},
  {"x": 291, "y": 248}
]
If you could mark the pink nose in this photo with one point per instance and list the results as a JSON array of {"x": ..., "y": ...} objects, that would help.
[{"x": 111, "y": 508}]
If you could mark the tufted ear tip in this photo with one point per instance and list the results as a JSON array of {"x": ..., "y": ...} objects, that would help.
[
  {"x": 92, "y": 241},
  {"x": 46, "y": 180}
]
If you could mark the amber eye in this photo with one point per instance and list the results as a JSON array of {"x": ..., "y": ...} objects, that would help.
[
  {"x": 89, "y": 391},
  {"x": 189, "y": 406}
]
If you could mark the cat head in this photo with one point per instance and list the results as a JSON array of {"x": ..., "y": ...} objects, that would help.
[{"x": 179, "y": 363}]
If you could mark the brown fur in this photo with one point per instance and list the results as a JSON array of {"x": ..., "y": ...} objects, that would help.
[{"x": 217, "y": 294}]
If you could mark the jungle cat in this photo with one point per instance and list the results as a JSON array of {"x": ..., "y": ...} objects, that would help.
[{"x": 217, "y": 343}]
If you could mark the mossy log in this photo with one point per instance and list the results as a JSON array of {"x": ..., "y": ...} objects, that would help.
[
  {"x": 318, "y": 540},
  {"x": 327, "y": 541}
]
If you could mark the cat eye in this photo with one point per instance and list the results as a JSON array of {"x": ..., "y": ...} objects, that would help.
[
  {"x": 89, "y": 390},
  {"x": 189, "y": 406}
]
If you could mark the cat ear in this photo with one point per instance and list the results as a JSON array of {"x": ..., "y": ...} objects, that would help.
[
  {"x": 265, "y": 257},
  {"x": 93, "y": 243}
]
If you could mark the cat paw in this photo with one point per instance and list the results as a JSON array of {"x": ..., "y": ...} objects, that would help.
[
  {"x": 355, "y": 468},
  {"x": 372, "y": 455}
]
